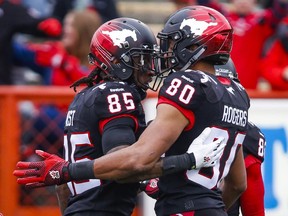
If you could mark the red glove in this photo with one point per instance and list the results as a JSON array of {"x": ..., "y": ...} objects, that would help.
[
  {"x": 51, "y": 27},
  {"x": 150, "y": 187},
  {"x": 52, "y": 171}
]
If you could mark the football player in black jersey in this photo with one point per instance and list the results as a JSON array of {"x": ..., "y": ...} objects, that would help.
[
  {"x": 195, "y": 39},
  {"x": 107, "y": 116},
  {"x": 251, "y": 201}
]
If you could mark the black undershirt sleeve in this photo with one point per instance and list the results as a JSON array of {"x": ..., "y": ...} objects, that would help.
[{"x": 118, "y": 132}]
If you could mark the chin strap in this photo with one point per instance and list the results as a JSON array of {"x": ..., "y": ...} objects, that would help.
[{"x": 193, "y": 59}]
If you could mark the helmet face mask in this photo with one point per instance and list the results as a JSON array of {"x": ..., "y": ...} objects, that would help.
[
  {"x": 168, "y": 58},
  {"x": 197, "y": 32},
  {"x": 143, "y": 62},
  {"x": 140, "y": 59},
  {"x": 122, "y": 47}
]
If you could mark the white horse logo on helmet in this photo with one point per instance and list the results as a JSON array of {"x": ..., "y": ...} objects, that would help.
[
  {"x": 196, "y": 27},
  {"x": 119, "y": 37}
]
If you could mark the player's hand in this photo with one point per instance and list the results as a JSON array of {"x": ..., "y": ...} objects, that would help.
[
  {"x": 206, "y": 154},
  {"x": 53, "y": 170},
  {"x": 150, "y": 187}
]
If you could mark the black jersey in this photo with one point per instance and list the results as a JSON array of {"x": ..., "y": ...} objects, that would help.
[
  {"x": 254, "y": 142},
  {"x": 207, "y": 101},
  {"x": 90, "y": 110}
]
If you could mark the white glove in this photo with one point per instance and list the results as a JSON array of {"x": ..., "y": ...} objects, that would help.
[{"x": 206, "y": 154}]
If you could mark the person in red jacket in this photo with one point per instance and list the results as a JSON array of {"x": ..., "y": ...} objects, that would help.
[
  {"x": 274, "y": 63},
  {"x": 251, "y": 28}
]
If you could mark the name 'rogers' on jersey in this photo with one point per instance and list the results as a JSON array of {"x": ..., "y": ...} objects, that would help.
[{"x": 234, "y": 116}]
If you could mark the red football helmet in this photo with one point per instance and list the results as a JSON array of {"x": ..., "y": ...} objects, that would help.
[
  {"x": 123, "y": 45},
  {"x": 202, "y": 28}
]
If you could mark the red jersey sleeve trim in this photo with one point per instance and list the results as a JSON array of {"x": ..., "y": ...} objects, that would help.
[
  {"x": 250, "y": 159},
  {"x": 187, "y": 113},
  {"x": 103, "y": 122}
]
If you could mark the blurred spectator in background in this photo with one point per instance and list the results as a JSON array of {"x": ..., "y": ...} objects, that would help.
[
  {"x": 14, "y": 18},
  {"x": 252, "y": 26},
  {"x": 266, "y": 3},
  {"x": 106, "y": 8},
  {"x": 184, "y": 3},
  {"x": 41, "y": 8},
  {"x": 59, "y": 63},
  {"x": 274, "y": 63},
  {"x": 65, "y": 61}
]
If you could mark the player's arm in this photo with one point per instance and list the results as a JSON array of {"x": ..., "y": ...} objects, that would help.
[
  {"x": 127, "y": 162},
  {"x": 140, "y": 159},
  {"x": 63, "y": 193},
  {"x": 142, "y": 156},
  {"x": 201, "y": 153},
  {"x": 252, "y": 200},
  {"x": 234, "y": 184}
]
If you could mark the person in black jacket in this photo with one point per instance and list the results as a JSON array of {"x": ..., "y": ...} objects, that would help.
[{"x": 14, "y": 18}]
